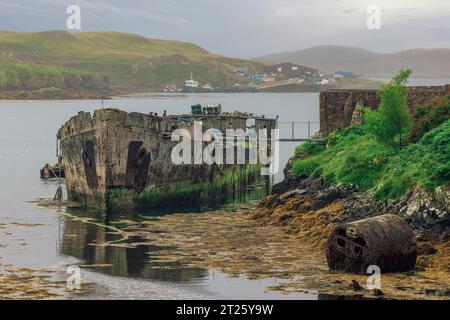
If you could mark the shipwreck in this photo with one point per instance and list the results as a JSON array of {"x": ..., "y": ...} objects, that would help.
[{"x": 114, "y": 160}]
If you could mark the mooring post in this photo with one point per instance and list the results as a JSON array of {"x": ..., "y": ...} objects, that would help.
[{"x": 58, "y": 195}]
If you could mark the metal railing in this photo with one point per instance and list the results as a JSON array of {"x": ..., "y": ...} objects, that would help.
[{"x": 296, "y": 131}]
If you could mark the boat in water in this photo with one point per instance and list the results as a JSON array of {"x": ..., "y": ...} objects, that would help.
[{"x": 194, "y": 86}]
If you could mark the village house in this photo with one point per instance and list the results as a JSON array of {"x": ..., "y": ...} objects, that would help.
[{"x": 290, "y": 70}]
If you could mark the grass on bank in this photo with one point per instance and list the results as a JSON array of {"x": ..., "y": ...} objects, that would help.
[{"x": 354, "y": 156}]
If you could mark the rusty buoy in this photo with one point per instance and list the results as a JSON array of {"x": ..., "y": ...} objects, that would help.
[{"x": 386, "y": 241}]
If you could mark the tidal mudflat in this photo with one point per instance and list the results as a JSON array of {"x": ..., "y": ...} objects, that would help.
[{"x": 238, "y": 245}]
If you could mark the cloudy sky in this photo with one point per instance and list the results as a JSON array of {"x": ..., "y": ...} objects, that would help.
[{"x": 248, "y": 28}]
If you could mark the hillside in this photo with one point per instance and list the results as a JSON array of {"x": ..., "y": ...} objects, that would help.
[
  {"x": 104, "y": 60},
  {"x": 427, "y": 63}
]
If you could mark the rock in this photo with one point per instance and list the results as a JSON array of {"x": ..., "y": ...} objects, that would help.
[
  {"x": 445, "y": 236},
  {"x": 329, "y": 194},
  {"x": 378, "y": 293},
  {"x": 295, "y": 192},
  {"x": 423, "y": 210},
  {"x": 428, "y": 210},
  {"x": 437, "y": 228},
  {"x": 289, "y": 183},
  {"x": 423, "y": 236},
  {"x": 288, "y": 172},
  {"x": 316, "y": 185},
  {"x": 356, "y": 286},
  {"x": 426, "y": 249}
]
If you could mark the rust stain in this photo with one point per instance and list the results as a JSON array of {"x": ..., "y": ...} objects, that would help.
[
  {"x": 138, "y": 164},
  {"x": 90, "y": 168}
]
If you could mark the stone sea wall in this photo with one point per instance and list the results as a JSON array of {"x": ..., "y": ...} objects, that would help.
[{"x": 337, "y": 106}]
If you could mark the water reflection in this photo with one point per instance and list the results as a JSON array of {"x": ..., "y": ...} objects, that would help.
[
  {"x": 79, "y": 240},
  {"x": 26, "y": 133},
  {"x": 84, "y": 236}
]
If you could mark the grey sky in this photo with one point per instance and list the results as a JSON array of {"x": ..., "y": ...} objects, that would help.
[{"x": 248, "y": 28}]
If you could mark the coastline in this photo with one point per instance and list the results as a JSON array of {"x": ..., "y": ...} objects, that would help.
[
  {"x": 59, "y": 94},
  {"x": 308, "y": 210}
]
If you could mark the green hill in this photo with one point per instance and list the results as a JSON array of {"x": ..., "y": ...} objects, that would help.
[{"x": 104, "y": 60}]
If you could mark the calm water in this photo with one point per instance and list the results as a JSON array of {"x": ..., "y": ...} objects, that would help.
[
  {"x": 419, "y": 81},
  {"x": 27, "y": 140}
]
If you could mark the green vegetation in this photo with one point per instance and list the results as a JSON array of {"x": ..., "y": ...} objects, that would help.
[
  {"x": 429, "y": 116},
  {"x": 390, "y": 123},
  {"x": 425, "y": 163},
  {"x": 98, "y": 60},
  {"x": 354, "y": 156},
  {"x": 351, "y": 156},
  {"x": 29, "y": 76},
  {"x": 365, "y": 156},
  {"x": 221, "y": 189}
]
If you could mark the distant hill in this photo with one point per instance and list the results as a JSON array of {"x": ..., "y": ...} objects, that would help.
[
  {"x": 101, "y": 60},
  {"x": 427, "y": 63}
]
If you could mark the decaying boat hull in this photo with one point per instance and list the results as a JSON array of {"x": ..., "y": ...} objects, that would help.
[
  {"x": 114, "y": 150},
  {"x": 385, "y": 241}
]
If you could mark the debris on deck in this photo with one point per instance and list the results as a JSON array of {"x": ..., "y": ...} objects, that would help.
[
  {"x": 386, "y": 241},
  {"x": 52, "y": 172}
]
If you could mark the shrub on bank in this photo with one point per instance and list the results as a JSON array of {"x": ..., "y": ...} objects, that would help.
[
  {"x": 310, "y": 148},
  {"x": 391, "y": 122},
  {"x": 351, "y": 156},
  {"x": 425, "y": 164}
]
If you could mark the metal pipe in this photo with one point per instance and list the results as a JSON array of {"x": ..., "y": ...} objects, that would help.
[
  {"x": 293, "y": 124},
  {"x": 309, "y": 130}
]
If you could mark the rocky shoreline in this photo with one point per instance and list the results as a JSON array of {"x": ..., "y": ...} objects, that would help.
[
  {"x": 425, "y": 211},
  {"x": 310, "y": 209}
]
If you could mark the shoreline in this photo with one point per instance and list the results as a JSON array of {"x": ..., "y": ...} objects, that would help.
[
  {"x": 309, "y": 210},
  {"x": 57, "y": 95},
  {"x": 74, "y": 94},
  {"x": 44, "y": 94}
]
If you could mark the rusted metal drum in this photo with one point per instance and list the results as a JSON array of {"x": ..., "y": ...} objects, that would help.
[{"x": 386, "y": 241}]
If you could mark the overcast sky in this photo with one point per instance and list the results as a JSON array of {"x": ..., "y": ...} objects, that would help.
[{"x": 248, "y": 28}]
